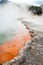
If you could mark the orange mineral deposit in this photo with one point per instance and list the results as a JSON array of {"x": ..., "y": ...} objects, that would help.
[{"x": 11, "y": 48}]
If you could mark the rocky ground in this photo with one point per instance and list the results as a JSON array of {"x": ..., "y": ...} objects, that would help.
[{"x": 32, "y": 52}]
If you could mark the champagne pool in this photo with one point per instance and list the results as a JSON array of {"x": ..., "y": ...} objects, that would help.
[{"x": 13, "y": 34}]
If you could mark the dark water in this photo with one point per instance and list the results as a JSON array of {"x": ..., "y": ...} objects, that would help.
[{"x": 3, "y": 1}]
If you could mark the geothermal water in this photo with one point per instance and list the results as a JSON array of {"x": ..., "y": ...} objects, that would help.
[{"x": 13, "y": 34}]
